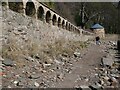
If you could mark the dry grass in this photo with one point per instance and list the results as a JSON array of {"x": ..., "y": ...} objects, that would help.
[
  {"x": 46, "y": 52},
  {"x": 14, "y": 50},
  {"x": 61, "y": 47}
]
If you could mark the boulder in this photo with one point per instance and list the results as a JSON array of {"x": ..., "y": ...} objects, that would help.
[
  {"x": 16, "y": 83},
  {"x": 36, "y": 84},
  {"x": 8, "y": 62},
  {"x": 107, "y": 61}
]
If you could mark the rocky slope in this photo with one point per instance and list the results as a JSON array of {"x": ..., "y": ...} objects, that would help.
[
  {"x": 30, "y": 47},
  {"x": 34, "y": 55}
]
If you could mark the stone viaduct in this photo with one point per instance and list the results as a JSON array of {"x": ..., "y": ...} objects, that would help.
[{"x": 40, "y": 11}]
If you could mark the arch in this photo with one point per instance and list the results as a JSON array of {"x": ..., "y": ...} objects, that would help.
[
  {"x": 54, "y": 19},
  {"x": 82, "y": 32},
  {"x": 48, "y": 17},
  {"x": 16, "y": 6},
  {"x": 69, "y": 27},
  {"x": 40, "y": 13},
  {"x": 59, "y": 22},
  {"x": 63, "y": 24},
  {"x": 75, "y": 29},
  {"x": 30, "y": 9},
  {"x": 66, "y": 26}
]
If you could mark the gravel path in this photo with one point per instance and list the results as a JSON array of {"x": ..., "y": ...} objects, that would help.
[{"x": 83, "y": 72}]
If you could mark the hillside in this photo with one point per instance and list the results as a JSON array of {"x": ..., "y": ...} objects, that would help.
[
  {"x": 36, "y": 54},
  {"x": 35, "y": 50}
]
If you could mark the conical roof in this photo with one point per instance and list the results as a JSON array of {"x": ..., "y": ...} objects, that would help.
[{"x": 97, "y": 26}]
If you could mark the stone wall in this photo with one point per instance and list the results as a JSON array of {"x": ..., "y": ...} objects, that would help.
[
  {"x": 39, "y": 11},
  {"x": 99, "y": 32},
  {"x": 24, "y": 28}
]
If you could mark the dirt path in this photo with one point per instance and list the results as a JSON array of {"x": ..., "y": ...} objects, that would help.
[{"x": 84, "y": 72}]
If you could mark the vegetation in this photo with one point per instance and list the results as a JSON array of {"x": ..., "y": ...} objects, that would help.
[
  {"x": 49, "y": 4},
  {"x": 103, "y": 13},
  {"x": 14, "y": 51},
  {"x": 16, "y": 6},
  {"x": 88, "y": 13},
  {"x": 85, "y": 13}
]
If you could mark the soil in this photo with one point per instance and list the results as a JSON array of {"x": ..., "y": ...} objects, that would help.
[
  {"x": 84, "y": 67},
  {"x": 83, "y": 71}
]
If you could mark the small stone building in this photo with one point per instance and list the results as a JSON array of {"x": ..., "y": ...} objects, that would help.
[{"x": 98, "y": 30}]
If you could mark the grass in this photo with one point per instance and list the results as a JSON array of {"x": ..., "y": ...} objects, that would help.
[
  {"x": 45, "y": 53},
  {"x": 64, "y": 47}
]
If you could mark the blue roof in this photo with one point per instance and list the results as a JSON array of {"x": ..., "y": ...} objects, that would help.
[{"x": 97, "y": 26}]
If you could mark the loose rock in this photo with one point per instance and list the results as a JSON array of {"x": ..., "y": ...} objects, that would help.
[
  {"x": 77, "y": 54},
  {"x": 8, "y": 62},
  {"x": 84, "y": 88},
  {"x": 36, "y": 84},
  {"x": 107, "y": 61}
]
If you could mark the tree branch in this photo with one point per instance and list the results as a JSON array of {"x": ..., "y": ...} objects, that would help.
[{"x": 93, "y": 16}]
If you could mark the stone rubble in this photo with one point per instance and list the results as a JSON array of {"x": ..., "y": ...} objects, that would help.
[{"x": 109, "y": 72}]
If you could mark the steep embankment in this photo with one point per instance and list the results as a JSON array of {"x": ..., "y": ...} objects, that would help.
[
  {"x": 26, "y": 34},
  {"x": 32, "y": 49}
]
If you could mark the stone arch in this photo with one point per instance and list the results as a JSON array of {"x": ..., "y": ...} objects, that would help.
[
  {"x": 59, "y": 22},
  {"x": 75, "y": 29},
  {"x": 82, "y": 32},
  {"x": 63, "y": 24},
  {"x": 48, "y": 16},
  {"x": 66, "y": 26},
  {"x": 40, "y": 13},
  {"x": 69, "y": 26},
  {"x": 30, "y": 8},
  {"x": 16, "y": 6},
  {"x": 54, "y": 19}
]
